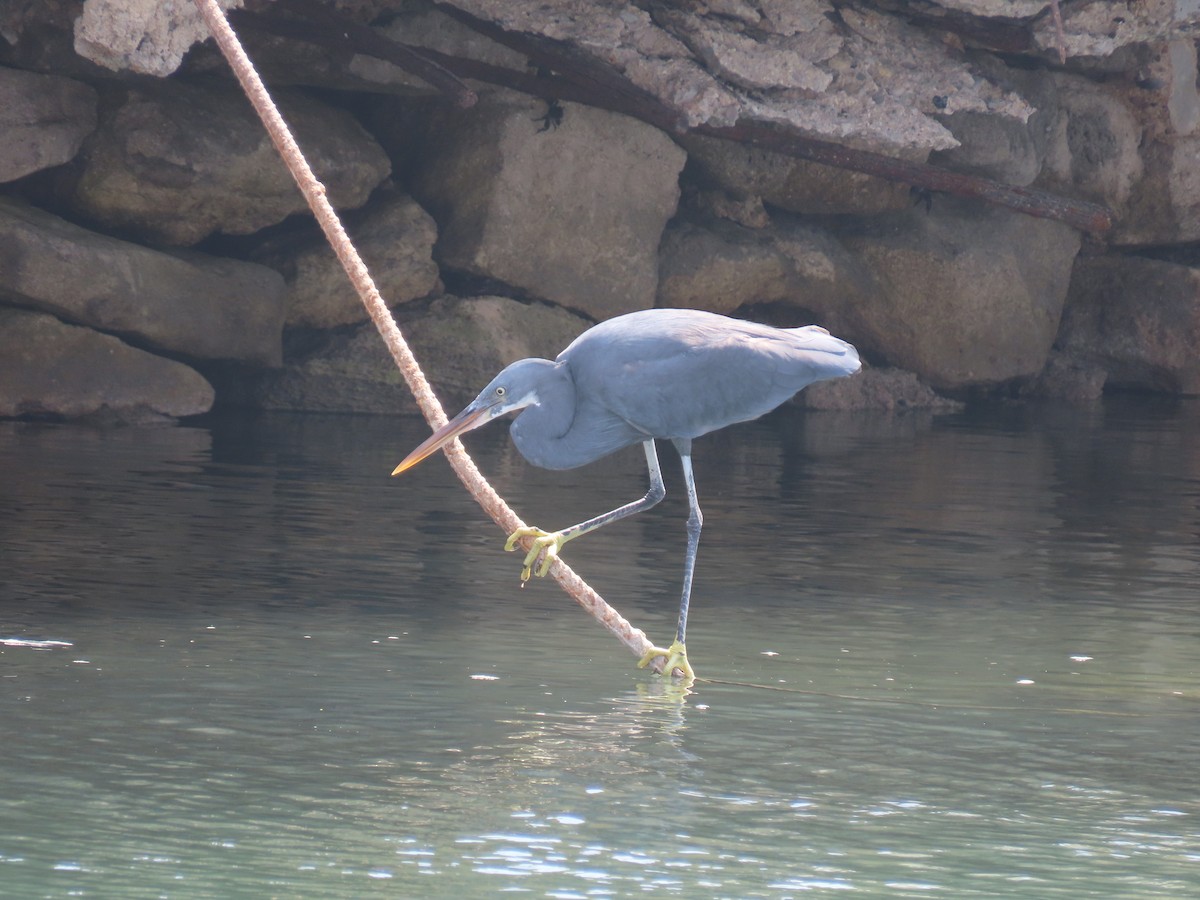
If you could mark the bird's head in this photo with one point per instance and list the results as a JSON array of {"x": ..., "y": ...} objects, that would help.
[{"x": 514, "y": 388}]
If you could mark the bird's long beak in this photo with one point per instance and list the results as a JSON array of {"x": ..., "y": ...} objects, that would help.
[{"x": 470, "y": 418}]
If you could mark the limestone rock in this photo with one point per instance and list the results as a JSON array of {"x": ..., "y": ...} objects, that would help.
[
  {"x": 720, "y": 267},
  {"x": 51, "y": 369},
  {"x": 1100, "y": 28},
  {"x": 185, "y": 303},
  {"x": 1164, "y": 205},
  {"x": 43, "y": 121},
  {"x": 1093, "y": 146},
  {"x": 146, "y": 36},
  {"x": 791, "y": 184},
  {"x": 571, "y": 214},
  {"x": 1004, "y": 148},
  {"x": 999, "y": 9},
  {"x": 462, "y": 343},
  {"x": 755, "y": 61},
  {"x": 1138, "y": 319},
  {"x": 395, "y": 238},
  {"x": 176, "y": 162},
  {"x": 880, "y": 73},
  {"x": 970, "y": 296}
]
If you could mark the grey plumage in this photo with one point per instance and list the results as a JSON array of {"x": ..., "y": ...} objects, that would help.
[{"x": 673, "y": 374}]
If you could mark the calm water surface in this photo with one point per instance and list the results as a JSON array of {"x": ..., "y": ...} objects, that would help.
[{"x": 954, "y": 656}]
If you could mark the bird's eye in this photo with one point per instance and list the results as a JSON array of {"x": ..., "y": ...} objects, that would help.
[{"x": 500, "y": 392}]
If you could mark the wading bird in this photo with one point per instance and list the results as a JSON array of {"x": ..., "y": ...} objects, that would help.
[{"x": 674, "y": 374}]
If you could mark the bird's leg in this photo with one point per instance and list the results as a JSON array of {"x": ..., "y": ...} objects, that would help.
[
  {"x": 546, "y": 544},
  {"x": 676, "y": 654}
]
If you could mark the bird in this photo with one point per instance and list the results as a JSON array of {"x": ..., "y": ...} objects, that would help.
[{"x": 656, "y": 374}]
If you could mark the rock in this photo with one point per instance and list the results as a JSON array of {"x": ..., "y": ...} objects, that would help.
[
  {"x": 887, "y": 389},
  {"x": 1067, "y": 377},
  {"x": 881, "y": 73},
  {"x": 466, "y": 341},
  {"x": 283, "y": 61},
  {"x": 1164, "y": 205},
  {"x": 1138, "y": 319},
  {"x": 969, "y": 295},
  {"x": 185, "y": 303},
  {"x": 51, "y": 369},
  {"x": 146, "y": 36},
  {"x": 757, "y": 60},
  {"x": 43, "y": 121},
  {"x": 571, "y": 214},
  {"x": 1004, "y": 148},
  {"x": 1100, "y": 28},
  {"x": 462, "y": 343},
  {"x": 426, "y": 26},
  {"x": 720, "y": 267},
  {"x": 792, "y": 184},
  {"x": 999, "y": 9},
  {"x": 748, "y": 212},
  {"x": 175, "y": 162},
  {"x": 1092, "y": 151},
  {"x": 395, "y": 238}
]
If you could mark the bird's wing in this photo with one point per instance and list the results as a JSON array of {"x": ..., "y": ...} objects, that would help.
[{"x": 689, "y": 382}]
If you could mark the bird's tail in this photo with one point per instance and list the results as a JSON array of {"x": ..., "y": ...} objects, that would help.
[{"x": 829, "y": 356}]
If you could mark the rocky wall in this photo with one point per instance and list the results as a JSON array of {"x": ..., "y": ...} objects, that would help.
[{"x": 155, "y": 257}]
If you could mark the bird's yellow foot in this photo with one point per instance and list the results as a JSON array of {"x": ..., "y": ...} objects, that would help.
[
  {"x": 676, "y": 656},
  {"x": 546, "y": 544}
]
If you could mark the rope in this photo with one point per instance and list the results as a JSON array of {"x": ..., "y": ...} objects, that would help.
[{"x": 314, "y": 192}]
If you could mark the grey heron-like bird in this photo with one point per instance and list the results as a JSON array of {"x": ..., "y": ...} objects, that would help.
[{"x": 674, "y": 374}]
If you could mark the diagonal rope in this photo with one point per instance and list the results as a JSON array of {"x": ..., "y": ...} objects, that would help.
[{"x": 314, "y": 192}]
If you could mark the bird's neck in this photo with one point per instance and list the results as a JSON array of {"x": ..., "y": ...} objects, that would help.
[{"x": 540, "y": 430}]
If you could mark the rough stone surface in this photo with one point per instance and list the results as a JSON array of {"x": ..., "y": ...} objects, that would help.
[
  {"x": 999, "y": 9},
  {"x": 51, "y": 369},
  {"x": 1067, "y": 377},
  {"x": 175, "y": 162},
  {"x": 462, "y": 344},
  {"x": 432, "y": 28},
  {"x": 1163, "y": 206},
  {"x": 571, "y": 214},
  {"x": 1137, "y": 319},
  {"x": 754, "y": 62},
  {"x": 788, "y": 183},
  {"x": 395, "y": 238},
  {"x": 283, "y": 61},
  {"x": 1004, "y": 148},
  {"x": 1103, "y": 27},
  {"x": 852, "y": 74},
  {"x": 845, "y": 72},
  {"x": 43, "y": 121},
  {"x": 1092, "y": 150},
  {"x": 969, "y": 297},
  {"x": 146, "y": 36},
  {"x": 193, "y": 305},
  {"x": 963, "y": 298},
  {"x": 721, "y": 267},
  {"x": 887, "y": 389}
]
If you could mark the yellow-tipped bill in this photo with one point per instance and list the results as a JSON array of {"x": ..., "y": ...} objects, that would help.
[{"x": 465, "y": 421}]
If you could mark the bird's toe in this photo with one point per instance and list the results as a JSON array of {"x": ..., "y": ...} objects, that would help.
[
  {"x": 675, "y": 660},
  {"x": 546, "y": 545}
]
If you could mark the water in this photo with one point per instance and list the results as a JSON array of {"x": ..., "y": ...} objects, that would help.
[{"x": 954, "y": 656}]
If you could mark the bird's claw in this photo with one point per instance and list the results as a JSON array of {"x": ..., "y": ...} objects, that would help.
[
  {"x": 546, "y": 544},
  {"x": 676, "y": 658}
]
